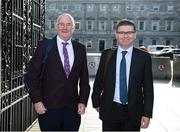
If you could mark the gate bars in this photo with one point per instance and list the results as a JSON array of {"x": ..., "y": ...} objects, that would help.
[{"x": 22, "y": 25}]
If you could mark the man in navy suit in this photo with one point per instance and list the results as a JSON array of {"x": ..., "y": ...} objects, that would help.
[
  {"x": 125, "y": 99},
  {"x": 59, "y": 102}
]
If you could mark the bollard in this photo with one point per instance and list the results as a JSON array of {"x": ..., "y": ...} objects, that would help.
[
  {"x": 176, "y": 71},
  {"x": 161, "y": 67},
  {"x": 93, "y": 63}
]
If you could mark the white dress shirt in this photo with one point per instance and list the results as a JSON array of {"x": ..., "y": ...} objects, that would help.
[
  {"x": 128, "y": 57},
  {"x": 69, "y": 50}
]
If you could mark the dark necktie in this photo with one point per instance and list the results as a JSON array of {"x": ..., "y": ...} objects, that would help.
[
  {"x": 66, "y": 60},
  {"x": 122, "y": 79}
]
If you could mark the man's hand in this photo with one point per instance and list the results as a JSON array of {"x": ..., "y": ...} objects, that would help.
[
  {"x": 97, "y": 109},
  {"x": 39, "y": 107},
  {"x": 145, "y": 122},
  {"x": 81, "y": 108}
]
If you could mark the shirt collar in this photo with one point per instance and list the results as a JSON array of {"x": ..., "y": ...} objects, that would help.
[
  {"x": 129, "y": 50},
  {"x": 62, "y": 41}
]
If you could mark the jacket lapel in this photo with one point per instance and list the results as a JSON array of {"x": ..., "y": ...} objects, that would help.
[
  {"x": 132, "y": 68},
  {"x": 76, "y": 57},
  {"x": 112, "y": 72},
  {"x": 57, "y": 56}
]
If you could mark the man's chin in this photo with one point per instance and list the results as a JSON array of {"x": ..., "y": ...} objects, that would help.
[{"x": 66, "y": 38}]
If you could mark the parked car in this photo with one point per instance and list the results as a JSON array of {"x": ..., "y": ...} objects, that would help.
[
  {"x": 143, "y": 48},
  {"x": 169, "y": 52},
  {"x": 156, "y": 49}
]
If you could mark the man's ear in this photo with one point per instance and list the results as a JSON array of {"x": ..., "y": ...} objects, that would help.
[
  {"x": 116, "y": 35},
  {"x": 135, "y": 36}
]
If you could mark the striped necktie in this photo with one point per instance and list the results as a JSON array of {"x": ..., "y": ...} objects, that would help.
[{"x": 66, "y": 59}]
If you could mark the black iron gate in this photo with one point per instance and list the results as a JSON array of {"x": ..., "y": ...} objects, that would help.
[{"x": 22, "y": 25}]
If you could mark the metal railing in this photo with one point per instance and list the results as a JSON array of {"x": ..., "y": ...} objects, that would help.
[{"x": 22, "y": 25}]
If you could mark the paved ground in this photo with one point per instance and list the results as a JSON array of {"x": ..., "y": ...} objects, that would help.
[{"x": 166, "y": 115}]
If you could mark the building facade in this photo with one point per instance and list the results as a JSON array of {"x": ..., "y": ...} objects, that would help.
[{"x": 157, "y": 21}]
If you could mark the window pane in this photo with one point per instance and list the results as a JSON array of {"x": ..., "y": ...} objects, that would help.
[{"x": 101, "y": 45}]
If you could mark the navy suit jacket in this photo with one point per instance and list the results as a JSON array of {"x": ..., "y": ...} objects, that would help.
[
  {"x": 58, "y": 91},
  {"x": 140, "y": 88}
]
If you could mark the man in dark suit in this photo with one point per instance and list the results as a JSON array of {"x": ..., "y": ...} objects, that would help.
[
  {"x": 59, "y": 103},
  {"x": 125, "y": 99}
]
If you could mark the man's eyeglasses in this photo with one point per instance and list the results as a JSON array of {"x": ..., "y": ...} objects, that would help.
[
  {"x": 126, "y": 33},
  {"x": 63, "y": 25}
]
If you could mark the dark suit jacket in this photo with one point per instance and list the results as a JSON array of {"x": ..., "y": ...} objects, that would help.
[
  {"x": 140, "y": 88},
  {"x": 58, "y": 91}
]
